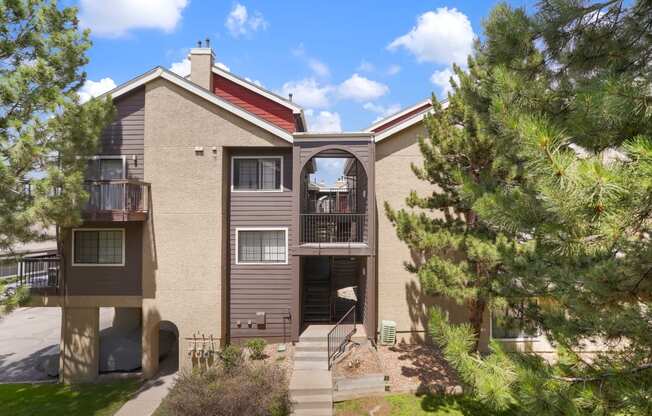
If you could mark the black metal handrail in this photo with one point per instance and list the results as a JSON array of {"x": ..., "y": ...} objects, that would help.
[
  {"x": 341, "y": 334},
  {"x": 39, "y": 272},
  {"x": 333, "y": 228}
]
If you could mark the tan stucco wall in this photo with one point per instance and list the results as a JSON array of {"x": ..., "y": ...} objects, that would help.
[
  {"x": 80, "y": 345},
  {"x": 400, "y": 298},
  {"x": 184, "y": 274}
]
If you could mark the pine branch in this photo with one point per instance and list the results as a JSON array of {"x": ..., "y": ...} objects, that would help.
[{"x": 604, "y": 376}]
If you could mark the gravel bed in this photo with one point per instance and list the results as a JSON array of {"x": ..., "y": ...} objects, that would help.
[
  {"x": 418, "y": 369},
  {"x": 284, "y": 359},
  {"x": 358, "y": 361}
]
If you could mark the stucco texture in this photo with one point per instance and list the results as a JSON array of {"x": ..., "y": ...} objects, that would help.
[
  {"x": 184, "y": 240},
  {"x": 400, "y": 298}
]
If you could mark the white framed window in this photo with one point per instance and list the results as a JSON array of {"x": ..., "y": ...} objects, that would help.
[
  {"x": 98, "y": 247},
  {"x": 510, "y": 324},
  {"x": 106, "y": 167},
  {"x": 257, "y": 173},
  {"x": 261, "y": 245}
]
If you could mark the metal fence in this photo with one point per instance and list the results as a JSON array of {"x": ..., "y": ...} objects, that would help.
[
  {"x": 333, "y": 228},
  {"x": 341, "y": 334}
]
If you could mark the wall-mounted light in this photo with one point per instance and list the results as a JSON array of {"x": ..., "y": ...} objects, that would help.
[{"x": 199, "y": 150}]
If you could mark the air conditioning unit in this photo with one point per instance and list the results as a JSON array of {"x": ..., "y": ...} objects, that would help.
[{"x": 387, "y": 332}]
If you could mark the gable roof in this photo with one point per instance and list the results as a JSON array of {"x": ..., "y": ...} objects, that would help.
[
  {"x": 189, "y": 86},
  {"x": 399, "y": 116},
  {"x": 402, "y": 120},
  {"x": 257, "y": 100}
]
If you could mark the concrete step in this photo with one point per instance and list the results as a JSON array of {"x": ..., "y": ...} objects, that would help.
[
  {"x": 313, "y": 338},
  {"x": 316, "y": 401},
  {"x": 313, "y": 412},
  {"x": 312, "y": 346},
  {"x": 311, "y": 365},
  {"x": 310, "y": 382},
  {"x": 310, "y": 356}
]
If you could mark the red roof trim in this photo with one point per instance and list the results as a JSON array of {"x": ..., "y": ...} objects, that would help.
[{"x": 254, "y": 103}]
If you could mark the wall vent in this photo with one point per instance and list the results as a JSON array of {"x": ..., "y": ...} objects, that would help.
[{"x": 387, "y": 332}]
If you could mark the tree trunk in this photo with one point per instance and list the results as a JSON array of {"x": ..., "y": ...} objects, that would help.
[{"x": 476, "y": 315}]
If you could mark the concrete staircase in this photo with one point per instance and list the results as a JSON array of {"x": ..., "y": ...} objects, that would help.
[{"x": 311, "y": 385}]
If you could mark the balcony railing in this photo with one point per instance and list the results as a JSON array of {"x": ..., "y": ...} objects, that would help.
[
  {"x": 39, "y": 272},
  {"x": 120, "y": 200},
  {"x": 333, "y": 228}
]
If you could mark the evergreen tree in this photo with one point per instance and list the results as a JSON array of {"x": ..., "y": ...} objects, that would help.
[
  {"x": 44, "y": 132},
  {"x": 575, "y": 214}
]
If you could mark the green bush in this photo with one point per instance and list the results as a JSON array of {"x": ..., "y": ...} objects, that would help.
[
  {"x": 253, "y": 389},
  {"x": 231, "y": 357},
  {"x": 257, "y": 347}
]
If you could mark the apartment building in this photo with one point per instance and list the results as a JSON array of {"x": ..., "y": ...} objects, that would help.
[{"x": 205, "y": 218}]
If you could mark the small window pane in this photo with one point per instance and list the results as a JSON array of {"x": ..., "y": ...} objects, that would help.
[
  {"x": 262, "y": 246},
  {"x": 509, "y": 323},
  {"x": 257, "y": 174},
  {"x": 98, "y": 247},
  {"x": 111, "y": 169}
]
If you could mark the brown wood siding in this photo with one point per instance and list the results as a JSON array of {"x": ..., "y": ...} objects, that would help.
[
  {"x": 108, "y": 280},
  {"x": 126, "y": 135},
  {"x": 260, "y": 288}
]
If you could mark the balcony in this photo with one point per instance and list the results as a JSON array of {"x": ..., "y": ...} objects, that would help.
[
  {"x": 116, "y": 200},
  {"x": 332, "y": 228},
  {"x": 39, "y": 274}
]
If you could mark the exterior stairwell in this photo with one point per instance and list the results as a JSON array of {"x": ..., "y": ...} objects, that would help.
[
  {"x": 316, "y": 291},
  {"x": 311, "y": 385}
]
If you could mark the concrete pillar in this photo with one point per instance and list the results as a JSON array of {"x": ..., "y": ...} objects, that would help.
[
  {"x": 150, "y": 340},
  {"x": 80, "y": 345}
]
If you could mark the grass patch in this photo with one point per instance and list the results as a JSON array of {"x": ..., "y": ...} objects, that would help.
[
  {"x": 101, "y": 399},
  {"x": 413, "y": 405}
]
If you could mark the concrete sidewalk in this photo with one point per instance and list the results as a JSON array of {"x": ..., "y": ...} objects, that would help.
[{"x": 149, "y": 397}]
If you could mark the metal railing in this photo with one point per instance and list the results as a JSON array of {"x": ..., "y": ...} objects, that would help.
[
  {"x": 333, "y": 228},
  {"x": 341, "y": 334},
  {"x": 117, "y": 195},
  {"x": 39, "y": 272}
]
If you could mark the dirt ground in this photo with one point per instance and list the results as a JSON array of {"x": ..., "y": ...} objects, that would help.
[
  {"x": 283, "y": 359},
  {"x": 417, "y": 368},
  {"x": 360, "y": 360}
]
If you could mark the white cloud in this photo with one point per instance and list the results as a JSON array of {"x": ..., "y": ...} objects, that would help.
[
  {"x": 381, "y": 110},
  {"x": 319, "y": 68},
  {"x": 393, "y": 69},
  {"x": 116, "y": 18},
  {"x": 366, "y": 66},
  {"x": 241, "y": 23},
  {"x": 442, "y": 80},
  {"x": 324, "y": 121},
  {"x": 443, "y": 36},
  {"x": 359, "y": 88},
  {"x": 92, "y": 89},
  {"x": 308, "y": 93},
  {"x": 182, "y": 68}
]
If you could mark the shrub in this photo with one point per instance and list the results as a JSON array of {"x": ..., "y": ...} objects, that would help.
[
  {"x": 231, "y": 356},
  {"x": 256, "y": 347},
  {"x": 249, "y": 389}
]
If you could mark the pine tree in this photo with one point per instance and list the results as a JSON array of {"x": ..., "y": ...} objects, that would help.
[
  {"x": 456, "y": 250},
  {"x": 576, "y": 214},
  {"x": 44, "y": 131}
]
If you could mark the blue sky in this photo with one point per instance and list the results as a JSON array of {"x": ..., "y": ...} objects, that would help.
[{"x": 347, "y": 62}]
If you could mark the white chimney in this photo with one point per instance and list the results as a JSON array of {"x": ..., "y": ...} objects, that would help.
[{"x": 201, "y": 65}]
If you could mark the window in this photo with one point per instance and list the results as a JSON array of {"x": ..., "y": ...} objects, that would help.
[
  {"x": 257, "y": 173},
  {"x": 106, "y": 168},
  {"x": 98, "y": 247},
  {"x": 510, "y": 324},
  {"x": 261, "y": 246}
]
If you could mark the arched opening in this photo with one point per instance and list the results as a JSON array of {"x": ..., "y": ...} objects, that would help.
[
  {"x": 333, "y": 203},
  {"x": 168, "y": 347},
  {"x": 333, "y": 199}
]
